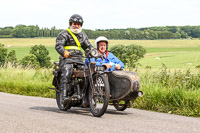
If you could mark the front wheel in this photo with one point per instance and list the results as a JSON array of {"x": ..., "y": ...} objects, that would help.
[
  {"x": 60, "y": 105},
  {"x": 99, "y": 95}
]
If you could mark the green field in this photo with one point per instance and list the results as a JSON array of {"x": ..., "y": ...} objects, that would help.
[
  {"x": 172, "y": 53},
  {"x": 172, "y": 58}
]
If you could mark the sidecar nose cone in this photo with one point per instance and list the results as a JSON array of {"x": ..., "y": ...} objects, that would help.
[{"x": 140, "y": 93}]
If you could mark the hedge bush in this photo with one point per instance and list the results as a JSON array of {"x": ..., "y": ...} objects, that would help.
[{"x": 129, "y": 54}]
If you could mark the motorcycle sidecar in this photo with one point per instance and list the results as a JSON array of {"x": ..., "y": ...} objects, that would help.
[{"x": 124, "y": 87}]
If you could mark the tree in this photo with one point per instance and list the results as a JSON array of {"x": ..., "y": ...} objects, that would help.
[
  {"x": 30, "y": 61},
  {"x": 42, "y": 55},
  {"x": 3, "y": 54},
  {"x": 19, "y": 31},
  {"x": 11, "y": 57}
]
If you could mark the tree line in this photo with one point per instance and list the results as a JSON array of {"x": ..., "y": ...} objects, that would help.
[
  {"x": 23, "y": 31},
  {"x": 38, "y": 56},
  {"x": 149, "y": 33}
]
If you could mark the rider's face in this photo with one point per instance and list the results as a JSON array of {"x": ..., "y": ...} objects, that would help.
[
  {"x": 102, "y": 47},
  {"x": 76, "y": 25}
]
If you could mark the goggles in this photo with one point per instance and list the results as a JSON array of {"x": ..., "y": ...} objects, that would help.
[{"x": 77, "y": 20}]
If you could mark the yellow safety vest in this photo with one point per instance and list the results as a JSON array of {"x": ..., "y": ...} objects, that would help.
[{"x": 78, "y": 47}]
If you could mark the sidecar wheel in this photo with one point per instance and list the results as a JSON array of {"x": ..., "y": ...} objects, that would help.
[
  {"x": 120, "y": 107},
  {"x": 60, "y": 105},
  {"x": 99, "y": 95}
]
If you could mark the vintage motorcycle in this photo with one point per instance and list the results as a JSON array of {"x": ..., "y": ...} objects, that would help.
[
  {"x": 90, "y": 87},
  {"x": 95, "y": 88}
]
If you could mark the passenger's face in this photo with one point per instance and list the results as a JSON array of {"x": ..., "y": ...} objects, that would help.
[{"x": 102, "y": 47}]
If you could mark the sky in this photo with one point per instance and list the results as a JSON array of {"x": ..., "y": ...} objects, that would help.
[{"x": 100, "y": 14}]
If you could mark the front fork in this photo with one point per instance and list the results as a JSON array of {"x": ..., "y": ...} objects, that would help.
[{"x": 90, "y": 78}]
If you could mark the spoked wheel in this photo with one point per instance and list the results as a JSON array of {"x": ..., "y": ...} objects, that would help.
[
  {"x": 121, "y": 106},
  {"x": 99, "y": 95},
  {"x": 60, "y": 105}
]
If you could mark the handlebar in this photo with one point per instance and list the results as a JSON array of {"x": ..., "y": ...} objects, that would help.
[{"x": 93, "y": 53}]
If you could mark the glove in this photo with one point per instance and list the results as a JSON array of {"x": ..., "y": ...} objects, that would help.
[{"x": 66, "y": 54}]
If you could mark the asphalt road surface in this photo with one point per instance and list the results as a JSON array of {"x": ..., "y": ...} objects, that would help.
[{"x": 25, "y": 114}]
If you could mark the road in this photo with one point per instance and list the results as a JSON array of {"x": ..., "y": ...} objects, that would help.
[{"x": 26, "y": 114}]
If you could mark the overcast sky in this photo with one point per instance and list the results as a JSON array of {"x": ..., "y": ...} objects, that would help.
[{"x": 100, "y": 14}]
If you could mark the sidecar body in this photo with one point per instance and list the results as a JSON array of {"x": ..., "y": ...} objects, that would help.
[{"x": 124, "y": 85}]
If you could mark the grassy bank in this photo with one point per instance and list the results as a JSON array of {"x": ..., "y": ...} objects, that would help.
[
  {"x": 27, "y": 81},
  {"x": 170, "y": 91},
  {"x": 176, "y": 92}
]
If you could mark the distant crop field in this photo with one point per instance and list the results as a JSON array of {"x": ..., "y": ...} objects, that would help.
[
  {"x": 27, "y": 42},
  {"x": 170, "y": 43},
  {"x": 180, "y": 53}
]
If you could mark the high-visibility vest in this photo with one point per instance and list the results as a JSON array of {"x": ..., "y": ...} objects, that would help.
[{"x": 78, "y": 47}]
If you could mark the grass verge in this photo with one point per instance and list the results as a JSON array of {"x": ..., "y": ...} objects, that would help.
[
  {"x": 174, "y": 92},
  {"x": 27, "y": 81}
]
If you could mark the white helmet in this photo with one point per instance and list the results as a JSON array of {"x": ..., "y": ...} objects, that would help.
[{"x": 101, "y": 39}]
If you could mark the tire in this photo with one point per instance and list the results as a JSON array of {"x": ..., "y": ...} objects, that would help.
[
  {"x": 58, "y": 98},
  {"x": 60, "y": 105},
  {"x": 99, "y": 95},
  {"x": 120, "y": 107}
]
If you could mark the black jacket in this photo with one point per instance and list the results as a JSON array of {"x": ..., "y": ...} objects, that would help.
[{"x": 64, "y": 38}]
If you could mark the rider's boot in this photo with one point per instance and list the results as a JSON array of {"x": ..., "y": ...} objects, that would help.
[{"x": 64, "y": 93}]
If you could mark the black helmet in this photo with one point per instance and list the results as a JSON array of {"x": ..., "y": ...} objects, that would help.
[{"x": 76, "y": 18}]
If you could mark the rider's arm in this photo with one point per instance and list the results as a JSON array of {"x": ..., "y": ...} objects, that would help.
[
  {"x": 60, "y": 43},
  {"x": 86, "y": 44}
]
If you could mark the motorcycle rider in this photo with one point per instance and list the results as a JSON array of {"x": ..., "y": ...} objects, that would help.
[
  {"x": 68, "y": 44},
  {"x": 112, "y": 62}
]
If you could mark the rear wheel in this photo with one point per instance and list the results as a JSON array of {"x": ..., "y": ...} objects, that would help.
[
  {"x": 99, "y": 95},
  {"x": 122, "y": 105}
]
